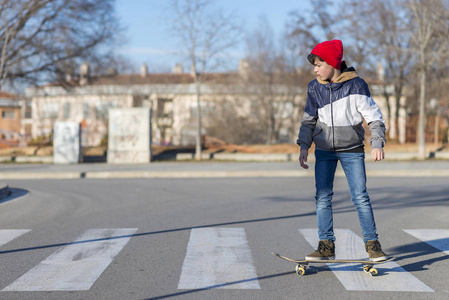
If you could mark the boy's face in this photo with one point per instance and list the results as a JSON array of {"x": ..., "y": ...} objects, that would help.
[{"x": 323, "y": 70}]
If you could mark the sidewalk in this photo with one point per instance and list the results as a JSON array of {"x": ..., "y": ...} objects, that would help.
[
  {"x": 226, "y": 156},
  {"x": 211, "y": 169}
]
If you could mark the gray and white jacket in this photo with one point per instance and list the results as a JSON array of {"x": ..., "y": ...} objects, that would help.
[{"x": 334, "y": 114}]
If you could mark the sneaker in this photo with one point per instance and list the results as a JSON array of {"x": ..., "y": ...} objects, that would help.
[
  {"x": 375, "y": 251},
  {"x": 326, "y": 251}
]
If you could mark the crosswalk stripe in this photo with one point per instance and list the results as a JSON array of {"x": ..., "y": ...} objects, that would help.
[
  {"x": 436, "y": 238},
  {"x": 7, "y": 235},
  {"x": 350, "y": 246},
  {"x": 76, "y": 266},
  {"x": 218, "y": 258}
]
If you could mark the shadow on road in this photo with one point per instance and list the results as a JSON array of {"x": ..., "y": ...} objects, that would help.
[
  {"x": 14, "y": 194},
  {"x": 417, "y": 250},
  {"x": 158, "y": 232},
  {"x": 219, "y": 286},
  {"x": 385, "y": 198}
]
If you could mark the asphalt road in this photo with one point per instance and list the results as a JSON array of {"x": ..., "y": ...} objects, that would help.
[{"x": 212, "y": 238}]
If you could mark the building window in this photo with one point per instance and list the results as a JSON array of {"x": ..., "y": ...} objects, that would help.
[
  {"x": 9, "y": 114},
  {"x": 85, "y": 110},
  {"x": 164, "y": 108},
  {"x": 28, "y": 114},
  {"x": 51, "y": 110},
  {"x": 66, "y": 110},
  {"x": 102, "y": 109},
  {"x": 283, "y": 110},
  {"x": 207, "y": 109}
]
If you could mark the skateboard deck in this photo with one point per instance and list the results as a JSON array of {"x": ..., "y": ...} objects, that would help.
[{"x": 368, "y": 265}]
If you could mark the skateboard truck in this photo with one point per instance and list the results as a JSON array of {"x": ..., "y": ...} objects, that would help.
[{"x": 367, "y": 268}]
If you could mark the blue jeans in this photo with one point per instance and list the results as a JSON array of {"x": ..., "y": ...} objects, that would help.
[{"x": 354, "y": 167}]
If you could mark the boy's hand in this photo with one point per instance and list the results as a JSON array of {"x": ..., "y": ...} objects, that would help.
[
  {"x": 303, "y": 158},
  {"x": 378, "y": 154}
]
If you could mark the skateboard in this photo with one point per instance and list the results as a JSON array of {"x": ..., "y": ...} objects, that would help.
[{"x": 368, "y": 265}]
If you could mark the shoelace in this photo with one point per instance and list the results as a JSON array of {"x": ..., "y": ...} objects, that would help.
[
  {"x": 375, "y": 247},
  {"x": 322, "y": 247}
]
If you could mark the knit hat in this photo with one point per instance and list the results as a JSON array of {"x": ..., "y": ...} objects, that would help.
[{"x": 331, "y": 52}]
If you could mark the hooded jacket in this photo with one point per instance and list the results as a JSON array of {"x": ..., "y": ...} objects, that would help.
[{"x": 334, "y": 114}]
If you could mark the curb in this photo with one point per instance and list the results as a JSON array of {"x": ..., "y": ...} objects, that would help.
[
  {"x": 208, "y": 174},
  {"x": 281, "y": 157},
  {"x": 239, "y": 156},
  {"x": 263, "y": 157}
]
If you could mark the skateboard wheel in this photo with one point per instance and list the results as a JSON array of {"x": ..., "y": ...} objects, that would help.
[
  {"x": 373, "y": 272},
  {"x": 366, "y": 269},
  {"x": 300, "y": 270}
]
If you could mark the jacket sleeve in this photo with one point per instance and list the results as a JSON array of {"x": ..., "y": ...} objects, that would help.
[
  {"x": 373, "y": 117},
  {"x": 309, "y": 120}
]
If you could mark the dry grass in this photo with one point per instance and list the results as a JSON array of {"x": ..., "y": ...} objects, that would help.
[
  {"x": 230, "y": 148},
  {"x": 293, "y": 148}
]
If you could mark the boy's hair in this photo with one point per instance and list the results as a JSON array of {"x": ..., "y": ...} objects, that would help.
[{"x": 312, "y": 57}]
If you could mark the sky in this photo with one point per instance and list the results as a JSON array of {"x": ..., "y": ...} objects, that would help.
[{"x": 149, "y": 40}]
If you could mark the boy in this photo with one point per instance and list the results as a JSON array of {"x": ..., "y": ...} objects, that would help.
[{"x": 336, "y": 103}]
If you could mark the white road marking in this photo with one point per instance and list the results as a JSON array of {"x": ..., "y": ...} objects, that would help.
[
  {"x": 76, "y": 266},
  {"x": 7, "y": 235},
  {"x": 218, "y": 258},
  {"x": 391, "y": 276},
  {"x": 436, "y": 238}
]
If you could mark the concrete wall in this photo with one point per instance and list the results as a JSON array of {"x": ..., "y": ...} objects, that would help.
[
  {"x": 129, "y": 135},
  {"x": 88, "y": 110},
  {"x": 66, "y": 143}
]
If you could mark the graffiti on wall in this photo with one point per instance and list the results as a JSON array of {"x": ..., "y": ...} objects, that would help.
[
  {"x": 129, "y": 135},
  {"x": 66, "y": 143}
]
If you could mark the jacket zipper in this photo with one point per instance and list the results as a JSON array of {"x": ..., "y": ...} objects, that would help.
[{"x": 332, "y": 117}]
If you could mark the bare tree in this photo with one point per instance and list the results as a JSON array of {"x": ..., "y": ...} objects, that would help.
[
  {"x": 383, "y": 31},
  {"x": 393, "y": 47},
  {"x": 261, "y": 59},
  {"x": 230, "y": 123},
  {"x": 45, "y": 39},
  {"x": 205, "y": 34},
  {"x": 429, "y": 36},
  {"x": 310, "y": 27},
  {"x": 277, "y": 99},
  {"x": 406, "y": 36}
]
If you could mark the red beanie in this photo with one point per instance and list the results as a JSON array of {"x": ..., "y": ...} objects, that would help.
[{"x": 331, "y": 52}]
